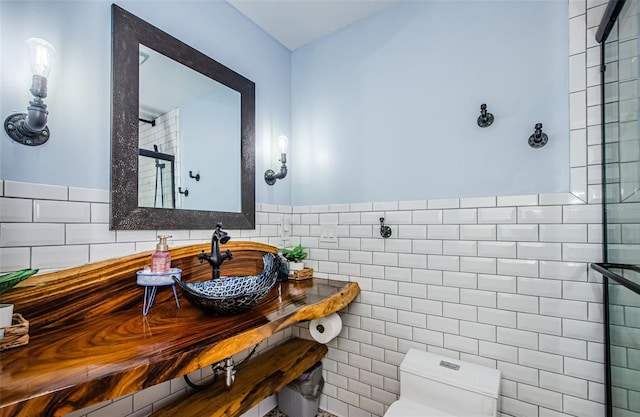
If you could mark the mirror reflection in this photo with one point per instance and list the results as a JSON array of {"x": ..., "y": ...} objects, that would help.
[
  {"x": 183, "y": 136},
  {"x": 156, "y": 179},
  {"x": 197, "y": 121}
]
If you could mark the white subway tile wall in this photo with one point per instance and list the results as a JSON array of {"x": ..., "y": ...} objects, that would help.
[
  {"x": 501, "y": 280},
  {"x": 490, "y": 298},
  {"x": 516, "y": 305}
]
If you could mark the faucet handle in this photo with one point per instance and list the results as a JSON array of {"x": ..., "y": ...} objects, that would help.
[
  {"x": 202, "y": 256},
  {"x": 229, "y": 255}
]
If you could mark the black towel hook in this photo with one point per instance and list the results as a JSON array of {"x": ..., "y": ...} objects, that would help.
[
  {"x": 485, "y": 119},
  {"x": 538, "y": 139},
  {"x": 385, "y": 231}
]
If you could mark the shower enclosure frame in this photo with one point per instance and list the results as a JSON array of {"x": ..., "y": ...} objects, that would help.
[
  {"x": 170, "y": 159},
  {"x": 609, "y": 270},
  {"x": 606, "y": 269}
]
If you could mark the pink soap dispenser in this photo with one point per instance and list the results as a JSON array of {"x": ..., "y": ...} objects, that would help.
[{"x": 161, "y": 258}]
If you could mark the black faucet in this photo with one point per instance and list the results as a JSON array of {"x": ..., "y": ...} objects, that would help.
[{"x": 216, "y": 258}]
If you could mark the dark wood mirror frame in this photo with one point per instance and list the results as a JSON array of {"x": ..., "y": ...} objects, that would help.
[{"x": 128, "y": 32}]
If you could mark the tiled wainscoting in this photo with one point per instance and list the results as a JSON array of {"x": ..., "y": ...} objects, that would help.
[
  {"x": 502, "y": 281},
  {"x": 50, "y": 227}
]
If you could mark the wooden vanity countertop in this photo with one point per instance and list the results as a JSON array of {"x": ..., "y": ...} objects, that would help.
[{"x": 89, "y": 341}]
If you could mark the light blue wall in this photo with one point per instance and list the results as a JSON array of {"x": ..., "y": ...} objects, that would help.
[
  {"x": 78, "y": 153},
  {"x": 386, "y": 109}
]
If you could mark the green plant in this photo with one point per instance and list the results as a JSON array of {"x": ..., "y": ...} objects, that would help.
[
  {"x": 294, "y": 255},
  {"x": 7, "y": 281}
]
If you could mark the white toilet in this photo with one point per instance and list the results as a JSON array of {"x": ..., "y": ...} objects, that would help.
[{"x": 437, "y": 386}]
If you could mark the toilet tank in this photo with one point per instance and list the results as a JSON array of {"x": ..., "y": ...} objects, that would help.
[{"x": 456, "y": 387}]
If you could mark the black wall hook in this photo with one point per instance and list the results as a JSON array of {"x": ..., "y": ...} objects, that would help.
[
  {"x": 185, "y": 192},
  {"x": 539, "y": 138},
  {"x": 385, "y": 231},
  {"x": 485, "y": 119},
  {"x": 195, "y": 177}
]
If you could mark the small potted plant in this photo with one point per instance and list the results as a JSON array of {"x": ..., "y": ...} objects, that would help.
[{"x": 294, "y": 257}]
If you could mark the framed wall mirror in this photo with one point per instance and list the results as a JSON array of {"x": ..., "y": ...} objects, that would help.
[{"x": 182, "y": 134}]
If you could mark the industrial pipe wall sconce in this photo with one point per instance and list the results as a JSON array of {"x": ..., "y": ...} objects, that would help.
[
  {"x": 270, "y": 176},
  {"x": 31, "y": 128},
  {"x": 485, "y": 119},
  {"x": 539, "y": 138}
]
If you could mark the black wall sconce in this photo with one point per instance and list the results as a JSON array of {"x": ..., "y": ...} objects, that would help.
[
  {"x": 31, "y": 128},
  {"x": 485, "y": 119},
  {"x": 539, "y": 138},
  {"x": 270, "y": 176}
]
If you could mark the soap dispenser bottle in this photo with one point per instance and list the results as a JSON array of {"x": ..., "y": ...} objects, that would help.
[{"x": 161, "y": 258}]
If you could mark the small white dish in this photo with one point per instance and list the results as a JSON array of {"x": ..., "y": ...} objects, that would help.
[{"x": 6, "y": 317}]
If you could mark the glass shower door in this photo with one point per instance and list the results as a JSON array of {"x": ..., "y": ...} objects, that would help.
[
  {"x": 621, "y": 151},
  {"x": 621, "y": 176}
]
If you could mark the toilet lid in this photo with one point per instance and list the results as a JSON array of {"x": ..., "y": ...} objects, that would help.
[{"x": 408, "y": 408}]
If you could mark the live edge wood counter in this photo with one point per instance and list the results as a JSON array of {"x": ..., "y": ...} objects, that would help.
[{"x": 89, "y": 341}]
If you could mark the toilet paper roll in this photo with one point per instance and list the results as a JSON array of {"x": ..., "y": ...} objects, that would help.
[{"x": 325, "y": 329}]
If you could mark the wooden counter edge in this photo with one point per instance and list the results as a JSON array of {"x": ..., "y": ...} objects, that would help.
[
  {"x": 261, "y": 377},
  {"x": 59, "y": 402},
  {"x": 248, "y": 339}
]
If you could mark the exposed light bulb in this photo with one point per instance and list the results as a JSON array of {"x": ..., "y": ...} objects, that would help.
[
  {"x": 283, "y": 142},
  {"x": 41, "y": 55}
]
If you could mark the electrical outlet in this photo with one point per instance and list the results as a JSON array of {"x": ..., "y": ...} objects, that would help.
[
  {"x": 286, "y": 223},
  {"x": 328, "y": 233}
]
